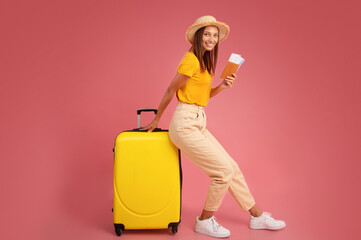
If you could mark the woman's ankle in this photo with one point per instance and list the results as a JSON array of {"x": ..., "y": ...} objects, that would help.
[
  {"x": 255, "y": 211},
  {"x": 206, "y": 214}
]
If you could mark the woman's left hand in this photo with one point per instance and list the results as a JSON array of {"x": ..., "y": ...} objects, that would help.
[{"x": 229, "y": 81}]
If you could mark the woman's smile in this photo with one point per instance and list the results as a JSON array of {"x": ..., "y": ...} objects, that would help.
[{"x": 210, "y": 44}]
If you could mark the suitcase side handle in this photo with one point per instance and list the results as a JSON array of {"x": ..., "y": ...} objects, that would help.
[{"x": 139, "y": 111}]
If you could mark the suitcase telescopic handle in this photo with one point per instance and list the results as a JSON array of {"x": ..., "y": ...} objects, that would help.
[{"x": 139, "y": 111}]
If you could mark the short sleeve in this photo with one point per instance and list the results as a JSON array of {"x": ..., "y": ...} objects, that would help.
[{"x": 188, "y": 65}]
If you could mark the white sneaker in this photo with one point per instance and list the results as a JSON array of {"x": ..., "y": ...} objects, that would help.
[
  {"x": 211, "y": 228},
  {"x": 265, "y": 221}
]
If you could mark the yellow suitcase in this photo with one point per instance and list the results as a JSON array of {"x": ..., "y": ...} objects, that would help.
[{"x": 147, "y": 180}]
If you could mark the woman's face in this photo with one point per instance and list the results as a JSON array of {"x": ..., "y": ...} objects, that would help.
[{"x": 210, "y": 38}]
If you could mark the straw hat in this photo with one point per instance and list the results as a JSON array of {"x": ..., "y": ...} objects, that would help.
[{"x": 207, "y": 21}]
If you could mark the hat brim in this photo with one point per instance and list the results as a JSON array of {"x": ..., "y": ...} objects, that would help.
[{"x": 222, "y": 28}]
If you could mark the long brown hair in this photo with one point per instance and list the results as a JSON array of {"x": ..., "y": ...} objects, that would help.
[{"x": 208, "y": 60}]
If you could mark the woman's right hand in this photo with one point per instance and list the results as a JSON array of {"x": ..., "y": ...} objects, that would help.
[{"x": 151, "y": 126}]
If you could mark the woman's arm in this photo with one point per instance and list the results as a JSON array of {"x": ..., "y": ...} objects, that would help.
[
  {"x": 178, "y": 81},
  {"x": 226, "y": 83}
]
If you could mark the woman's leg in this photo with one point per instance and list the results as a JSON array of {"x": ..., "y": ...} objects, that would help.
[
  {"x": 237, "y": 186},
  {"x": 188, "y": 134},
  {"x": 239, "y": 190},
  {"x": 208, "y": 158}
]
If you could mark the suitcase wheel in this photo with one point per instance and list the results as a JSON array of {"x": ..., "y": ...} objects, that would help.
[
  {"x": 119, "y": 229},
  {"x": 174, "y": 227}
]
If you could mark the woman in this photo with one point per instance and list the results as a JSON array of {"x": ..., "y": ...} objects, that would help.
[{"x": 187, "y": 130}]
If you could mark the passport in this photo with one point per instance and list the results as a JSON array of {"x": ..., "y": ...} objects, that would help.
[{"x": 232, "y": 66}]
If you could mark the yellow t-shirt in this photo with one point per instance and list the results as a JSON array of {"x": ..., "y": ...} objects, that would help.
[{"x": 198, "y": 88}]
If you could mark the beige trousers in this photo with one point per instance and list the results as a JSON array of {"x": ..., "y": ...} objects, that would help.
[{"x": 188, "y": 132}]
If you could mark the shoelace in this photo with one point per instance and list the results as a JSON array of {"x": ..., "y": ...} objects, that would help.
[
  {"x": 215, "y": 224},
  {"x": 267, "y": 213},
  {"x": 268, "y": 217}
]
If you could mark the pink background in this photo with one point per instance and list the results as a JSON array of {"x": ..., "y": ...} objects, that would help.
[{"x": 73, "y": 73}]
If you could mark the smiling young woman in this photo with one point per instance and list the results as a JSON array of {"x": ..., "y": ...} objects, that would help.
[{"x": 193, "y": 87}]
